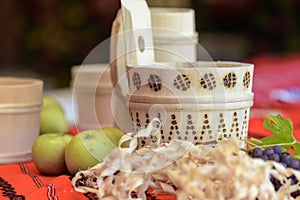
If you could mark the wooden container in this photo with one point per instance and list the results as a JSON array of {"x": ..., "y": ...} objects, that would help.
[
  {"x": 174, "y": 34},
  {"x": 201, "y": 102},
  {"x": 208, "y": 82},
  {"x": 92, "y": 90},
  {"x": 20, "y": 105},
  {"x": 202, "y": 124},
  {"x": 175, "y": 39}
]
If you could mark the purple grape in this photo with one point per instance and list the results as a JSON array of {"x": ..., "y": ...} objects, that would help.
[
  {"x": 285, "y": 157},
  {"x": 274, "y": 157},
  {"x": 275, "y": 154},
  {"x": 264, "y": 157},
  {"x": 257, "y": 152},
  {"x": 268, "y": 151},
  {"x": 284, "y": 154},
  {"x": 295, "y": 164},
  {"x": 277, "y": 149}
]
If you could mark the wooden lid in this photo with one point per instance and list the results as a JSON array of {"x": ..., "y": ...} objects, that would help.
[
  {"x": 91, "y": 76},
  {"x": 179, "y": 20},
  {"x": 25, "y": 91}
]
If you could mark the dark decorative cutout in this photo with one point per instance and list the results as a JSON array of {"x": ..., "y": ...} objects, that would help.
[
  {"x": 221, "y": 127},
  {"x": 247, "y": 79},
  {"x": 244, "y": 130},
  {"x": 136, "y": 80},
  {"x": 208, "y": 81},
  {"x": 182, "y": 82},
  {"x": 154, "y": 82},
  {"x": 229, "y": 80},
  {"x": 234, "y": 126}
]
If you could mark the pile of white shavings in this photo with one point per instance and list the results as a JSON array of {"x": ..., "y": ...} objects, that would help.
[{"x": 186, "y": 171}]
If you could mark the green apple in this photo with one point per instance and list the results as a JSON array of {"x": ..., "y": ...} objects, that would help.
[
  {"x": 87, "y": 149},
  {"x": 49, "y": 101},
  {"x": 48, "y": 153},
  {"x": 52, "y": 116},
  {"x": 53, "y": 120},
  {"x": 114, "y": 134}
]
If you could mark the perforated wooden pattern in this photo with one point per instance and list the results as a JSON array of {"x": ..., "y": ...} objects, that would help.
[
  {"x": 199, "y": 126},
  {"x": 202, "y": 80}
]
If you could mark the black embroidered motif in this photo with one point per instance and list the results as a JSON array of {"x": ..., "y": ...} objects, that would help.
[
  {"x": 34, "y": 177},
  {"x": 91, "y": 196},
  {"x": 9, "y": 191},
  {"x": 148, "y": 196}
]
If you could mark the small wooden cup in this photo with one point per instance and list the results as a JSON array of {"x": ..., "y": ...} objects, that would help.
[
  {"x": 20, "y": 106},
  {"x": 92, "y": 89}
]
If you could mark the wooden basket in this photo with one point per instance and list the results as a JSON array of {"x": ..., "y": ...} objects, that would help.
[
  {"x": 196, "y": 122},
  {"x": 202, "y": 102},
  {"x": 207, "y": 81},
  {"x": 20, "y": 105}
]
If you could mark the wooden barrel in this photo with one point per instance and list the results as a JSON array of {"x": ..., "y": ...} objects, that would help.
[
  {"x": 92, "y": 89},
  {"x": 20, "y": 106}
]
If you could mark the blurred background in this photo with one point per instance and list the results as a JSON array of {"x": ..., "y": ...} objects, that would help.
[{"x": 45, "y": 38}]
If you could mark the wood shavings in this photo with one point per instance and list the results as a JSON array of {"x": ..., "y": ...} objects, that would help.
[{"x": 179, "y": 168}]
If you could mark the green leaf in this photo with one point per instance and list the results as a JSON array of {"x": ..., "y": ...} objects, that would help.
[
  {"x": 296, "y": 147},
  {"x": 253, "y": 142},
  {"x": 282, "y": 129}
]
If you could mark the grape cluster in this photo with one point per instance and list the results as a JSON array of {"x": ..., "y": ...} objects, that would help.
[{"x": 275, "y": 153}]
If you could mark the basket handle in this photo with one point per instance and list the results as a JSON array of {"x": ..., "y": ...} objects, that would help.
[
  {"x": 137, "y": 32},
  {"x": 115, "y": 41}
]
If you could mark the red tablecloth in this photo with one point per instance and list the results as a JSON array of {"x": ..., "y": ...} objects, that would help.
[
  {"x": 23, "y": 181},
  {"x": 276, "y": 87}
]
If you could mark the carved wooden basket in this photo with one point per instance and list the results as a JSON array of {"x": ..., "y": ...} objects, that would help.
[{"x": 201, "y": 102}]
